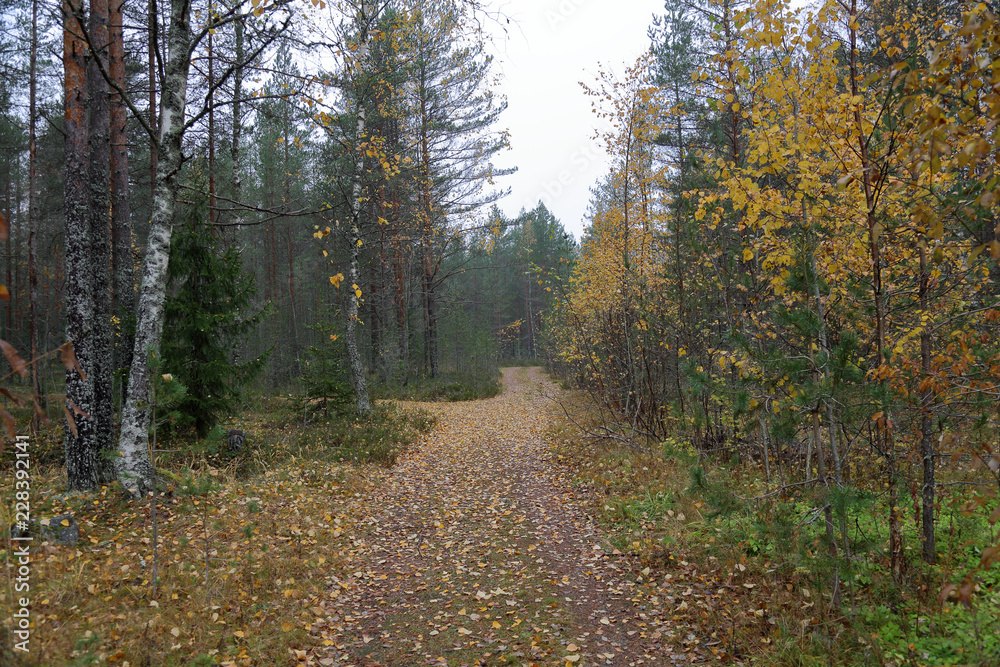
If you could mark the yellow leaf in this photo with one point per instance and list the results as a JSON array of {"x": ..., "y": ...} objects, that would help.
[
  {"x": 337, "y": 279},
  {"x": 747, "y": 254},
  {"x": 496, "y": 625},
  {"x": 357, "y": 293},
  {"x": 287, "y": 627}
]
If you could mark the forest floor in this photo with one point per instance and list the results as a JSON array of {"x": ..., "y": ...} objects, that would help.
[{"x": 476, "y": 550}]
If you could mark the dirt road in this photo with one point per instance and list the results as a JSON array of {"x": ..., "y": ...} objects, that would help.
[{"x": 474, "y": 550}]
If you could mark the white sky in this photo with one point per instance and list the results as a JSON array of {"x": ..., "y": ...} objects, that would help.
[{"x": 552, "y": 45}]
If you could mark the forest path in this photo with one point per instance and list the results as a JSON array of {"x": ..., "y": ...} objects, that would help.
[{"x": 473, "y": 550}]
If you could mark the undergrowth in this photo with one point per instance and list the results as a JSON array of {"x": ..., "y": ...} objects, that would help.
[
  {"x": 752, "y": 581},
  {"x": 448, "y": 386}
]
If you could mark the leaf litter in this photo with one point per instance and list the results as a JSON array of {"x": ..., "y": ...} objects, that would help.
[{"x": 475, "y": 550}]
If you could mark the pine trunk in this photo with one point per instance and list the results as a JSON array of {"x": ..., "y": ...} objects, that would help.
[
  {"x": 426, "y": 242},
  {"x": 33, "y": 220},
  {"x": 81, "y": 463},
  {"x": 99, "y": 177},
  {"x": 237, "y": 110}
]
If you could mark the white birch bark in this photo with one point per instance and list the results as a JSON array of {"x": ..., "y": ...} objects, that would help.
[
  {"x": 355, "y": 364},
  {"x": 135, "y": 469}
]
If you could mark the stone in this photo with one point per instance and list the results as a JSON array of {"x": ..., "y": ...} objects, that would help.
[{"x": 62, "y": 529}]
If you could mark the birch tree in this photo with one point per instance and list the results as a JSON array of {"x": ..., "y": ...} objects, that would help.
[{"x": 135, "y": 470}]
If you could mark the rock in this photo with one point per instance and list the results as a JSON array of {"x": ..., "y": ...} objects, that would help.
[{"x": 62, "y": 529}]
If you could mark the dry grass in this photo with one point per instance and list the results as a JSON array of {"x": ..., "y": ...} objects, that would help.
[{"x": 242, "y": 562}]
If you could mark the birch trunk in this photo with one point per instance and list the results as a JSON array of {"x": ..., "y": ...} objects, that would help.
[
  {"x": 135, "y": 469},
  {"x": 884, "y": 436},
  {"x": 357, "y": 370},
  {"x": 926, "y": 422},
  {"x": 153, "y": 19}
]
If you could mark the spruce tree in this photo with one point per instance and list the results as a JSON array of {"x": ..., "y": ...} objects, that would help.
[{"x": 208, "y": 313}]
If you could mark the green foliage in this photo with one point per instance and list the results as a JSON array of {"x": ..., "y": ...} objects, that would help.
[
  {"x": 466, "y": 385},
  {"x": 169, "y": 395},
  {"x": 325, "y": 376},
  {"x": 208, "y": 314},
  {"x": 379, "y": 437}
]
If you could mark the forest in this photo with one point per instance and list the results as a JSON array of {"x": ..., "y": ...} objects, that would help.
[{"x": 264, "y": 320}]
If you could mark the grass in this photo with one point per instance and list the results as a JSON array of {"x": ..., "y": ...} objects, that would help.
[
  {"x": 244, "y": 545},
  {"x": 765, "y": 565}
]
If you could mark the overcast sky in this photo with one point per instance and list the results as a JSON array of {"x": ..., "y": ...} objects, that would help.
[{"x": 551, "y": 46}]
